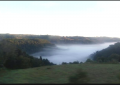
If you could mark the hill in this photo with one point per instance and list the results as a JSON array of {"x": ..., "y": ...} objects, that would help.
[
  {"x": 108, "y": 55},
  {"x": 61, "y": 39},
  {"x": 28, "y": 45},
  {"x": 59, "y": 74},
  {"x": 14, "y": 53}
]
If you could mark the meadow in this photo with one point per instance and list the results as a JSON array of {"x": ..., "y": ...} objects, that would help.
[{"x": 59, "y": 74}]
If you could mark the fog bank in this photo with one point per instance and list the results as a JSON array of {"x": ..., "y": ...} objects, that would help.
[{"x": 70, "y": 53}]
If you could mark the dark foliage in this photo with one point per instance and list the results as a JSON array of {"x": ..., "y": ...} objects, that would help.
[
  {"x": 109, "y": 55},
  {"x": 29, "y": 45},
  {"x": 80, "y": 77},
  {"x": 14, "y": 58},
  {"x": 63, "y": 63},
  {"x": 74, "y": 62}
]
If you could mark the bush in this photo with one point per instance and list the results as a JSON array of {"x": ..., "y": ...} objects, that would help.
[
  {"x": 1, "y": 65},
  {"x": 76, "y": 62},
  {"x": 79, "y": 78},
  {"x": 64, "y": 63}
]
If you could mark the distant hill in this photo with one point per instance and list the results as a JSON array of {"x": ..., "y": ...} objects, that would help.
[
  {"x": 28, "y": 45},
  {"x": 62, "y": 39}
]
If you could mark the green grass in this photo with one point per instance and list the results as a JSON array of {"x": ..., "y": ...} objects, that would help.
[{"x": 59, "y": 74}]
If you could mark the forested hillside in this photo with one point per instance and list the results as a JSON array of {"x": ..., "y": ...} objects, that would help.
[
  {"x": 13, "y": 57},
  {"x": 61, "y": 39},
  {"x": 109, "y": 55},
  {"x": 28, "y": 45}
]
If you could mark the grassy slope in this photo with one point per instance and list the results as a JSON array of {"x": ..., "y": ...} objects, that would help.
[{"x": 98, "y": 73}]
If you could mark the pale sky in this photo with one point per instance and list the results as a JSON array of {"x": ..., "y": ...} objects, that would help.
[{"x": 64, "y": 18}]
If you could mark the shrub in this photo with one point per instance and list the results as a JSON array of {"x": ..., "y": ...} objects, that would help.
[
  {"x": 76, "y": 62},
  {"x": 64, "y": 63},
  {"x": 80, "y": 77}
]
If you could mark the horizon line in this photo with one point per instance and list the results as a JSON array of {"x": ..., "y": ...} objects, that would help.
[{"x": 56, "y": 35}]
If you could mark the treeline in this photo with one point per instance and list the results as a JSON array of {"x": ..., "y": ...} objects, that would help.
[
  {"x": 108, "y": 55},
  {"x": 14, "y": 58},
  {"x": 28, "y": 45},
  {"x": 74, "y": 62},
  {"x": 61, "y": 39}
]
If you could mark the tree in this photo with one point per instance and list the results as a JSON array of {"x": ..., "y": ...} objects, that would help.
[
  {"x": 18, "y": 52},
  {"x": 23, "y": 62},
  {"x": 114, "y": 58},
  {"x": 89, "y": 61},
  {"x": 63, "y": 63},
  {"x": 11, "y": 62},
  {"x": 76, "y": 62},
  {"x": 40, "y": 58}
]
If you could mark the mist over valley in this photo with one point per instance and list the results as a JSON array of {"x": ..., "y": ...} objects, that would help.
[{"x": 71, "y": 52}]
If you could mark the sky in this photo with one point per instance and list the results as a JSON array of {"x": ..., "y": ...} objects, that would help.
[{"x": 63, "y": 18}]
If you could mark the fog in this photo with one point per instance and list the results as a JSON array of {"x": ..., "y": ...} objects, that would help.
[{"x": 70, "y": 53}]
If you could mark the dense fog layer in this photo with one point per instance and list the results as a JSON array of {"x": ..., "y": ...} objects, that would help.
[{"x": 70, "y": 53}]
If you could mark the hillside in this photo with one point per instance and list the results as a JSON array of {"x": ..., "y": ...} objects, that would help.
[
  {"x": 28, "y": 45},
  {"x": 59, "y": 74},
  {"x": 14, "y": 53},
  {"x": 62, "y": 39},
  {"x": 109, "y": 54}
]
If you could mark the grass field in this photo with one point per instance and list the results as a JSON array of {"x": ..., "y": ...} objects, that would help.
[{"x": 59, "y": 74}]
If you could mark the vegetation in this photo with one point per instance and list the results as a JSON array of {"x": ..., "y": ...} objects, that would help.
[
  {"x": 61, "y": 39},
  {"x": 108, "y": 55},
  {"x": 80, "y": 77},
  {"x": 74, "y": 62},
  {"x": 14, "y": 58},
  {"x": 59, "y": 74},
  {"x": 28, "y": 45}
]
